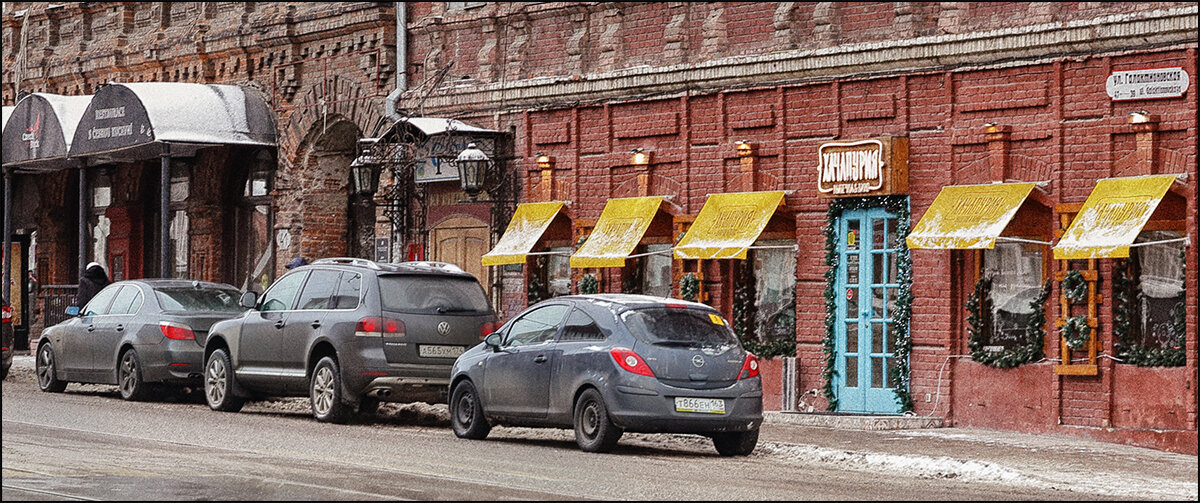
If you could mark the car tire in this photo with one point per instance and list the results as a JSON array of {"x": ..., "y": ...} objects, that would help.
[
  {"x": 325, "y": 392},
  {"x": 594, "y": 430},
  {"x": 46, "y": 371},
  {"x": 129, "y": 377},
  {"x": 218, "y": 383},
  {"x": 466, "y": 413},
  {"x": 739, "y": 443}
]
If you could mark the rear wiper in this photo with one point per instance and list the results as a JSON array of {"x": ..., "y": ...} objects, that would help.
[
  {"x": 676, "y": 343},
  {"x": 443, "y": 309}
]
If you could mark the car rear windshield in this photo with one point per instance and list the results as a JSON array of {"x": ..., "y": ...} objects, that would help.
[
  {"x": 199, "y": 299},
  {"x": 678, "y": 327},
  {"x": 431, "y": 294}
]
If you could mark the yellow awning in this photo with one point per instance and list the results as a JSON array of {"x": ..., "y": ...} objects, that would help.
[
  {"x": 621, "y": 226},
  {"x": 528, "y": 223},
  {"x": 728, "y": 224},
  {"x": 1112, "y": 217},
  {"x": 968, "y": 216}
]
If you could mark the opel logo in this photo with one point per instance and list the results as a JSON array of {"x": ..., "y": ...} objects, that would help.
[
  {"x": 443, "y": 328},
  {"x": 698, "y": 361}
]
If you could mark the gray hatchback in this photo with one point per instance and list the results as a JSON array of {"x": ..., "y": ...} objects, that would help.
[
  {"x": 348, "y": 333},
  {"x": 606, "y": 364}
]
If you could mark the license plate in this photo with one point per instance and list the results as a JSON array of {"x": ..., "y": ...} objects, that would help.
[
  {"x": 433, "y": 351},
  {"x": 701, "y": 405}
]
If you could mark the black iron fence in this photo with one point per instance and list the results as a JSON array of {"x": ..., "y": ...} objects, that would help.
[{"x": 55, "y": 299}]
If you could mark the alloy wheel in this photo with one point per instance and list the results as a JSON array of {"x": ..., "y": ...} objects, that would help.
[
  {"x": 214, "y": 381},
  {"x": 323, "y": 392}
]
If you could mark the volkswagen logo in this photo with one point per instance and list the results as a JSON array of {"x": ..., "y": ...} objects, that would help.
[
  {"x": 443, "y": 328},
  {"x": 698, "y": 361}
]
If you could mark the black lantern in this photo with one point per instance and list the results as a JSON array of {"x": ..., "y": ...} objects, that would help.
[
  {"x": 362, "y": 168},
  {"x": 473, "y": 166}
]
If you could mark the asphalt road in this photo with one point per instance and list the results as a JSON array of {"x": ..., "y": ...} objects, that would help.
[{"x": 87, "y": 443}]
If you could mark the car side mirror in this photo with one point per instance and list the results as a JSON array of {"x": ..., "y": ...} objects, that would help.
[
  {"x": 72, "y": 310},
  {"x": 493, "y": 341},
  {"x": 248, "y": 300}
]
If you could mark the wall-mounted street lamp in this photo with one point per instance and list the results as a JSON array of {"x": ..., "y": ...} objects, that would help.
[
  {"x": 473, "y": 169},
  {"x": 544, "y": 161},
  {"x": 640, "y": 157},
  {"x": 362, "y": 168}
]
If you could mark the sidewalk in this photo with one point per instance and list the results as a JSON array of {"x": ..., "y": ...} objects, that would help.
[{"x": 970, "y": 454}]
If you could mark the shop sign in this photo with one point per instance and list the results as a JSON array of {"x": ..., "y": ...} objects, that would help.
[
  {"x": 1150, "y": 83},
  {"x": 871, "y": 167},
  {"x": 435, "y": 154}
]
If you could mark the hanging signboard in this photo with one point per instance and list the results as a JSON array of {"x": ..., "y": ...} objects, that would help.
[
  {"x": 1147, "y": 84},
  {"x": 434, "y": 155},
  {"x": 871, "y": 167}
]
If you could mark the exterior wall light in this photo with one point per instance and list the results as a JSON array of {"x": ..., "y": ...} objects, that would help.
[
  {"x": 544, "y": 161},
  {"x": 640, "y": 157},
  {"x": 473, "y": 166},
  {"x": 362, "y": 168}
]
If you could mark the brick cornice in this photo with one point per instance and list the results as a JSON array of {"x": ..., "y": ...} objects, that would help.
[{"x": 997, "y": 48}]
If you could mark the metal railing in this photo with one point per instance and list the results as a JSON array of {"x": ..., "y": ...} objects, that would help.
[{"x": 55, "y": 299}]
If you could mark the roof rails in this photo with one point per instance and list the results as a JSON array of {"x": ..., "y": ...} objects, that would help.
[
  {"x": 348, "y": 261},
  {"x": 436, "y": 265}
]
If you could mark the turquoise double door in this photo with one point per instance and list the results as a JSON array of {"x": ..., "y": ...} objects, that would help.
[{"x": 866, "y": 288}]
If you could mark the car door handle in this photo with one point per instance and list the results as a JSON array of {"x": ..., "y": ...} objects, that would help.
[
  {"x": 279, "y": 324},
  {"x": 91, "y": 328},
  {"x": 316, "y": 324},
  {"x": 120, "y": 328},
  {"x": 539, "y": 359}
]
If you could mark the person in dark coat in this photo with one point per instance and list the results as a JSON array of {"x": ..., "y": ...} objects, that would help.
[{"x": 91, "y": 282}]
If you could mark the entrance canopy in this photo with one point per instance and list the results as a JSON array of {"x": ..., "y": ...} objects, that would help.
[
  {"x": 528, "y": 224},
  {"x": 618, "y": 232},
  {"x": 728, "y": 225},
  {"x": 38, "y": 133},
  {"x": 968, "y": 216},
  {"x": 1111, "y": 218},
  {"x": 130, "y": 122}
]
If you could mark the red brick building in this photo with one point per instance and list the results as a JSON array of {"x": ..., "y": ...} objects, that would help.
[{"x": 1021, "y": 308}]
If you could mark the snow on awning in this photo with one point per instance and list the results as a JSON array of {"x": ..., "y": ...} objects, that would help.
[
  {"x": 431, "y": 126},
  {"x": 39, "y": 130},
  {"x": 529, "y": 222},
  {"x": 618, "y": 232},
  {"x": 126, "y": 122},
  {"x": 1111, "y": 218},
  {"x": 728, "y": 225},
  {"x": 968, "y": 216}
]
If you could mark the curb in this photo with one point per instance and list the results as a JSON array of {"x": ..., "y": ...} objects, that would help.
[{"x": 853, "y": 421}]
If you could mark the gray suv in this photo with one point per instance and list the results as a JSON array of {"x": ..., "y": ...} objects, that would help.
[{"x": 349, "y": 333}]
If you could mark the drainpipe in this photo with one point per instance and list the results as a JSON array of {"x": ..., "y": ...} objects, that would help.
[{"x": 401, "y": 62}]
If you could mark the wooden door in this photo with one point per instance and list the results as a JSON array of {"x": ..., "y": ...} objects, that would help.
[{"x": 462, "y": 241}]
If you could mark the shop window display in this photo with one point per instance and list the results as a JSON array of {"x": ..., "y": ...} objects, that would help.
[{"x": 1149, "y": 307}]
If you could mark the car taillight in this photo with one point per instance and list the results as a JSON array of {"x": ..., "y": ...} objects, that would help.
[
  {"x": 749, "y": 368},
  {"x": 486, "y": 329},
  {"x": 375, "y": 326},
  {"x": 630, "y": 361},
  {"x": 177, "y": 331}
]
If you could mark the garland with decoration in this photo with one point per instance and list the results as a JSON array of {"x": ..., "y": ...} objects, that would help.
[
  {"x": 1126, "y": 307},
  {"x": 900, "y": 380},
  {"x": 1074, "y": 287},
  {"x": 979, "y": 305},
  {"x": 689, "y": 287},
  {"x": 536, "y": 290},
  {"x": 588, "y": 284},
  {"x": 1076, "y": 332}
]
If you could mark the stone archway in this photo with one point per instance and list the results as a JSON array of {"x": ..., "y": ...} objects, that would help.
[{"x": 317, "y": 209}]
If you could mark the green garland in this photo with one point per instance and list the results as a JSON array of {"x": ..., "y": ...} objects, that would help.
[
  {"x": 536, "y": 291},
  {"x": 1074, "y": 287},
  {"x": 1076, "y": 332},
  {"x": 588, "y": 284},
  {"x": 1129, "y": 347},
  {"x": 979, "y": 305},
  {"x": 689, "y": 287},
  {"x": 900, "y": 380}
]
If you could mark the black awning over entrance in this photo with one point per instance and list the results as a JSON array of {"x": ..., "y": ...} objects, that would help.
[{"x": 38, "y": 133}]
